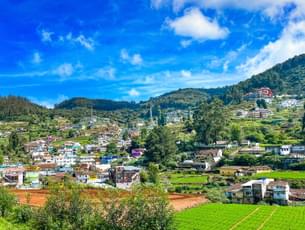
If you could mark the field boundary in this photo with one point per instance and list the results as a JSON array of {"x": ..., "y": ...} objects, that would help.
[
  {"x": 267, "y": 219},
  {"x": 244, "y": 218}
]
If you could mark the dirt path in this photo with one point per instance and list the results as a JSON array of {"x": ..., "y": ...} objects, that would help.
[
  {"x": 267, "y": 219},
  {"x": 245, "y": 218},
  {"x": 38, "y": 198}
]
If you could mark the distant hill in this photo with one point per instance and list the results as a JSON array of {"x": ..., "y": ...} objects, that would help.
[
  {"x": 12, "y": 107},
  {"x": 96, "y": 104}
]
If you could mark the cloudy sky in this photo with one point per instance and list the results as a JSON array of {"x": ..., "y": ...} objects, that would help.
[{"x": 132, "y": 50}]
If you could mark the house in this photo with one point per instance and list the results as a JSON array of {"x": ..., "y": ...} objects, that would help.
[
  {"x": 232, "y": 170},
  {"x": 31, "y": 179},
  {"x": 234, "y": 193},
  {"x": 285, "y": 150},
  {"x": 65, "y": 160},
  {"x": 108, "y": 159},
  {"x": 124, "y": 176},
  {"x": 137, "y": 152},
  {"x": 47, "y": 169},
  {"x": 209, "y": 154},
  {"x": 12, "y": 176},
  {"x": 243, "y": 170},
  {"x": 259, "y": 113},
  {"x": 86, "y": 159},
  {"x": 257, "y": 150},
  {"x": 255, "y": 190},
  {"x": 191, "y": 165},
  {"x": 241, "y": 113},
  {"x": 264, "y": 92},
  {"x": 278, "y": 192},
  {"x": 275, "y": 149}
]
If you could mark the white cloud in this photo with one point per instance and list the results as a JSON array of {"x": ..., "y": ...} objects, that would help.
[
  {"x": 185, "y": 73},
  {"x": 134, "y": 59},
  {"x": 106, "y": 73},
  {"x": 88, "y": 43},
  {"x": 133, "y": 93},
  {"x": 46, "y": 36},
  {"x": 270, "y": 8},
  {"x": 65, "y": 70},
  {"x": 197, "y": 26},
  {"x": 290, "y": 43},
  {"x": 186, "y": 43},
  {"x": 36, "y": 58}
]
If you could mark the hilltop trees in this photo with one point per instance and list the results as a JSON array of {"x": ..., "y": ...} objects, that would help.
[
  {"x": 209, "y": 121},
  {"x": 160, "y": 145}
]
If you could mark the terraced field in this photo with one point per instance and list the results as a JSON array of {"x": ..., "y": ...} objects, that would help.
[
  {"x": 241, "y": 217},
  {"x": 296, "y": 175}
]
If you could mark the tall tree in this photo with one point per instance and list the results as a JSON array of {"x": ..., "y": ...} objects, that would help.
[
  {"x": 209, "y": 121},
  {"x": 160, "y": 145}
]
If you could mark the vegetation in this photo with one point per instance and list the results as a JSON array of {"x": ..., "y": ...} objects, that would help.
[
  {"x": 160, "y": 146},
  {"x": 209, "y": 121},
  {"x": 230, "y": 216}
]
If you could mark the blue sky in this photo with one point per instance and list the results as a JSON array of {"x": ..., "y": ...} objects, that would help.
[{"x": 136, "y": 49}]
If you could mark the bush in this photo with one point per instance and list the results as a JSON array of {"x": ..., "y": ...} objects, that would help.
[
  {"x": 7, "y": 202},
  {"x": 22, "y": 214}
]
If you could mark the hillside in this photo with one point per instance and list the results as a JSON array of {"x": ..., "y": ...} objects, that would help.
[
  {"x": 285, "y": 78},
  {"x": 12, "y": 107},
  {"x": 96, "y": 104}
]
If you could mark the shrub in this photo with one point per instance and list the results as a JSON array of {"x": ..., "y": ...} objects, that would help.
[
  {"x": 7, "y": 202},
  {"x": 22, "y": 214}
]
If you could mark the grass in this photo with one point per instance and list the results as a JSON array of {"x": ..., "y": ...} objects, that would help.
[
  {"x": 181, "y": 178},
  {"x": 241, "y": 217},
  {"x": 296, "y": 175}
]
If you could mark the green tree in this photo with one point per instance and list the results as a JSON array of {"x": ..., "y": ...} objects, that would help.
[
  {"x": 160, "y": 145},
  {"x": 209, "y": 121},
  {"x": 14, "y": 141},
  {"x": 112, "y": 148},
  {"x": 125, "y": 135},
  {"x": 236, "y": 133},
  {"x": 153, "y": 173}
]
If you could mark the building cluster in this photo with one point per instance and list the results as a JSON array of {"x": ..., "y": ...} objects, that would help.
[
  {"x": 89, "y": 163},
  {"x": 261, "y": 93},
  {"x": 266, "y": 190}
]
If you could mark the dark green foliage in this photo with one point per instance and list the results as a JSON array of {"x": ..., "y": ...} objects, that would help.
[
  {"x": 160, "y": 145},
  {"x": 66, "y": 209},
  {"x": 18, "y": 108},
  {"x": 153, "y": 173},
  {"x": 112, "y": 149},
  {"x": 7, "y": 202},
  {"x": 261, "y": 103},
  {"x": 22, "y": 214},
  {"x": 96, "y": 104},
  {"x": 145, "y": 209},
  {"x": 209, "y": 121},
  {"x": 245, "y": 160}
]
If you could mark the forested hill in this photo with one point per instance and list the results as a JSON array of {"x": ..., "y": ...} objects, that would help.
[
  {"x": 96, "y": 104},
  {"x": 285, "y": 78},
  {"x": 12, "y": 107}
]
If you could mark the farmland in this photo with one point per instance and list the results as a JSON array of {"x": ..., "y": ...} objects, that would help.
[
  {"x": 297, "y": 175},
  {"x": 242, "y": 217},
  {"x": 180, "y": 178}
]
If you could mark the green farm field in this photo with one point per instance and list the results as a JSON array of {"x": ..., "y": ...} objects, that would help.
[
  {"x": 241, "y": 217},
  {"x": 181, "y": 178},
  {"x": 298, "y": 175}
]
